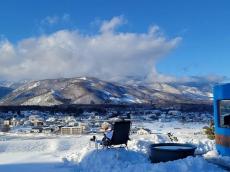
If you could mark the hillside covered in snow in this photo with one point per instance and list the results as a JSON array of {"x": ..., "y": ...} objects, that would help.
[{"x": 88, "y": 90}]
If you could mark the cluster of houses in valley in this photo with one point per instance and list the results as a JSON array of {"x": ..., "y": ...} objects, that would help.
[
  {"x": 38, "y": 122},
  {"x": 87, "y": 122},
  {"x": 173, "y": 115}
]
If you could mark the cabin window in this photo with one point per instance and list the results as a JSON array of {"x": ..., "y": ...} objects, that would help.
[{"x": 224, "y": 107}]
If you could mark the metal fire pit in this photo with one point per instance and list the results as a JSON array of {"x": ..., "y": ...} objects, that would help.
[{"x": 163, "y": 152}]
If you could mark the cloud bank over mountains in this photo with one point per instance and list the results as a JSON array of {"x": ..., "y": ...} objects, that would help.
[{"x": 109, "y": 54}]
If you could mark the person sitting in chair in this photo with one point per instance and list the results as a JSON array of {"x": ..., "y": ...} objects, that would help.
[
  {"x": 107, "y": 136},
  {"x": 118, "y": 134}
]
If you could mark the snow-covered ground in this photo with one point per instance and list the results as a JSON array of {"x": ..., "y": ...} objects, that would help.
[{"x": 50, "y": 153}]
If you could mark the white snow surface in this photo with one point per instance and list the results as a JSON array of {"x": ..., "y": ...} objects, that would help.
[
  {"x": 34, "y": 85},
  {"x": 47, "y": 99},
  {"x": 52, "y": 153}
]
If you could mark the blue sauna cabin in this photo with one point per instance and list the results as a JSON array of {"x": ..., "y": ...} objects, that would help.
[{"x": 222, "y": 118}]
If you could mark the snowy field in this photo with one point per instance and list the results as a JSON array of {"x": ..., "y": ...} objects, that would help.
[{"x": 50, "y": 153}]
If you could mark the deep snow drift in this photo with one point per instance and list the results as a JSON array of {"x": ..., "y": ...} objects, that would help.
[
  {"x": 131, "y": 161},
  {"x": 51, "y": 153}
]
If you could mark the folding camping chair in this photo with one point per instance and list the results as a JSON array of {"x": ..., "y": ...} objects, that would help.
[{"x": 120, "y": 136}]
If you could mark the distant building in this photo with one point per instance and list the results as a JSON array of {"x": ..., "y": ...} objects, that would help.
[
  {"x": 37, "y": 123},
  {"x": 14, "y": 122},
  {"x": 47, "y": 130},
  {"x": 27, "y": 123},
  {"x": 33, "y": 117},
  {"x": 6, "y": 122},
  {"x": 72, "y": 130},
  {"x": 36, "y": 130},
  {"x": 36, "y": 120}
]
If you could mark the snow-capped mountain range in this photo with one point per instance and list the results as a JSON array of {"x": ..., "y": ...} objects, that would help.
[{"x": 88, "y": 90}]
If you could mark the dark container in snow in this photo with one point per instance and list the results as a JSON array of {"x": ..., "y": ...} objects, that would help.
[{"x": 163, "y": 152}]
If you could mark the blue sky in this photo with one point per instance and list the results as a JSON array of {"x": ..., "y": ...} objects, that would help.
[{"x": 204, "y": 27}]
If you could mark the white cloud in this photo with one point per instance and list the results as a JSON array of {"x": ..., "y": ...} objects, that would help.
[
  {"x": 109, "y": 26},
  {"x": 52, "y": 20},
  {"x": 66, "y": 53}
]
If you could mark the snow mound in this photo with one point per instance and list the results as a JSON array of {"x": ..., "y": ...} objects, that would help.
[
  {"x": 214, "y": 157},
  {"x": 142, "y": 144},
  {"x": 115, "y": 160},
  {"x": 111, "y": 160},
  {"x": 203, "y": 145}
]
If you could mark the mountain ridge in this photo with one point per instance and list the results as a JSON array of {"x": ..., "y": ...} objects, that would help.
[{"x": 90, "y": 90}]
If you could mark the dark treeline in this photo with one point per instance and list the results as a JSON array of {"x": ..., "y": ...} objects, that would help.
[
  {"x": 75, "y": 108},
  {"x": 102, "y": 108}
]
